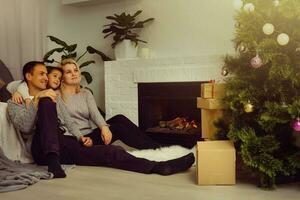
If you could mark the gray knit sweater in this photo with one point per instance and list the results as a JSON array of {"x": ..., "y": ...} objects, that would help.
[
  {"x": 24, "y": 119},
  {"x": 84, "y": 111}
]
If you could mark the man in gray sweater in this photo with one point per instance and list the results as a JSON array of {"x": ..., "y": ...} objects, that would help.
[
  {"x": 54, "y": 138},
  {"x": 25, "y": 118}
]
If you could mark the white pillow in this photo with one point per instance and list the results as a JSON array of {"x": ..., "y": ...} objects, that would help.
[{"x": 11, "y": 141}]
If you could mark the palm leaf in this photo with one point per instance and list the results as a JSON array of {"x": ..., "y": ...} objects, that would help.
[
  {"x": 92, "y": 50},
  {"x": 87, "y": 77},
  {"x": 57, "y": 41},
  {"x": 71, "y": 48},
  {"x": 86, "y": 63},
  {"x": 72, "y": 55},
  {"x": 49, "y": 53},
  {"x": 137, "y": 13}
]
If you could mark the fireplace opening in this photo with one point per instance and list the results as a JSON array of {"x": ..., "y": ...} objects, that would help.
[{"x": 168, "y": 112}]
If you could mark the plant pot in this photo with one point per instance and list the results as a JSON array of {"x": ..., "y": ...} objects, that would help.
[{"x": 126, "y": 50}]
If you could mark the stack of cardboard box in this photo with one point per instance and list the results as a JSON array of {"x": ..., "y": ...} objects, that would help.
[
  {"x": 211, "y": 107},
  {"x": 215, "y": 159}
]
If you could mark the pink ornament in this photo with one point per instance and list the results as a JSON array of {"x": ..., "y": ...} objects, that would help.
[
  {"x": 296, "y": 125},
  {"x": 256, "y": 62}
]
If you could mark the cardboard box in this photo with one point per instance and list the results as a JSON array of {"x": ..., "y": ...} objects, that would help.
[
  {"x": 216, "y": 163},
  {"x": 207, "y": 122},
  {"x": 212, "y": 90},
  {"x": 209, "y": 103}
]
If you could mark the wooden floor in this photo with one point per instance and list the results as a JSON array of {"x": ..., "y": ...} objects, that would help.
[{"x": 105, "y": 183}]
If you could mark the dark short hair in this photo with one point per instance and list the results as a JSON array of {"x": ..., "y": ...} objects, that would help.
[
  {"x": 28, "y": 67},
  {"x": 51, "y": 68}
]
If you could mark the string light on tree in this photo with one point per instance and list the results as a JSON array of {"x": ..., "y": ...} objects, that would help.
[
  {"x": 237, "y": 24},
  {"x": 268, "y": 28},
  {"x": 249, "y": 7},
  {"x": 224, "y": 71},
  {"x": 256, "y": 62},
  {"x": 241, "y": 48},
  {"x": 237, "y": 4},
  {"x": 284, "y": 105},
  {"x": 283, "y": 39},
  {"x": 276, "y": 3}
]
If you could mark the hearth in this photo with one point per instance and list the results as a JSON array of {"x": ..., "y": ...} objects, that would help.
[{"x": 160, "y": 104}]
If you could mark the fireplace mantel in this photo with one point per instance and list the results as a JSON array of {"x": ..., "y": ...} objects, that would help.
[{"x": 122, "y": 78}]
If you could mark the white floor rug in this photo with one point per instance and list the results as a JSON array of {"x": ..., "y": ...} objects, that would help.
[{"x": 162, "y": 154}]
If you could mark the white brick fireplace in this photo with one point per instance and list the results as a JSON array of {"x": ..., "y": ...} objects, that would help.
[{"x": 122, "y": 78}]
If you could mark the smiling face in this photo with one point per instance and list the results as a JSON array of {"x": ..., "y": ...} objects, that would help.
[
  {"x": 54, "y": 79},
  {"x": 71, "y": 74},
  {"x": 37, "y": 79}
]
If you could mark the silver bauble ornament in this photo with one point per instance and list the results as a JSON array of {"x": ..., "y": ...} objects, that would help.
[
  {"x": 283, "y": 39},
  {"x": 268, "y": 28}
]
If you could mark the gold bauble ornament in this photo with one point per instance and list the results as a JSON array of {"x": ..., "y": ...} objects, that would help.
[{"x": 248, "y": 108}]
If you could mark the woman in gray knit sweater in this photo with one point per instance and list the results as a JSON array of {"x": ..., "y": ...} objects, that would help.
[{"x": 83, "y": 110}]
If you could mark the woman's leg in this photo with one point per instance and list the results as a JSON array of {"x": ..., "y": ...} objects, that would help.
[
  {"x": 117, "y": 157},
  {"x": 112, "y": 156},
  {"x": 126, "y": 131}
]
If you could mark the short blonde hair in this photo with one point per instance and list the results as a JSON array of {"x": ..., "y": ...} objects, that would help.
[{"x": 68, "y": 61}]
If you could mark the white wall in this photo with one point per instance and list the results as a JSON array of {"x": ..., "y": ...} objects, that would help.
[{"x": 182, "y": 28}]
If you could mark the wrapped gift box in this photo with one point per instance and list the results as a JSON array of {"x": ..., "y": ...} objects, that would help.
[
  {"x": 208, "y": 117},
  {"x": 216, "y": 163},
  {"x": 209, "y": 103},
  {"x": 211, "y": 110},
  {"x": 212, "y": 90}
]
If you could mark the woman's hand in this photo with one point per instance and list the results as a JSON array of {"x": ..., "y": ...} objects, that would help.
[
  {"x": 106, "y": 135},
  {"x": 86, "y": 141},
  {"x": 17, "y": 97}
]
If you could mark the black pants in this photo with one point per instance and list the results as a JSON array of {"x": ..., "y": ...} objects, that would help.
[
  {"x": 48, "y": 138},
  {"x": 125, "y": 130}
]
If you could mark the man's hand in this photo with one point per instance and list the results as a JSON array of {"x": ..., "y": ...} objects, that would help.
[
  {"x": 17, "y": 97},
  {"x": 45, "y": 93},
  {"x": 106, "y": 135},
  {"x": 86, "y": 141},
  {"x": 27, "y": 102}
]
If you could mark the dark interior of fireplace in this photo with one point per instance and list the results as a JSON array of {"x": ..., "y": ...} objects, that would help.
[{"x": 168, "y": 112}]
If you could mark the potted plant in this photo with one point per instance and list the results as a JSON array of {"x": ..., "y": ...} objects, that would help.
[
  {"x": 69, "y": 51},
  {"x": 124, "y": 27}
]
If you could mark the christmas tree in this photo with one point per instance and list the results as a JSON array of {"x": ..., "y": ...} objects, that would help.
[{"x": 263, "y": 88}]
